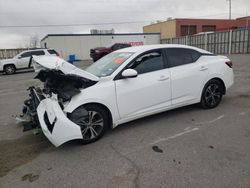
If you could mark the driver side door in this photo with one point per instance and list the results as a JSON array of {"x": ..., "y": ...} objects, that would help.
[
  {"x": 23, "y": 60},
  {"x": 149, "y": 92}
]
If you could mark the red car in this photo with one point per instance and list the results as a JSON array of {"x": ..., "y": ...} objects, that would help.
[{"x": 99, "y": 52}]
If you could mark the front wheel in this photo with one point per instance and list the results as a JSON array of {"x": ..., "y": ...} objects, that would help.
[
  {"x": 211, "y": 94},
  {"x": 93, "y": 121}
]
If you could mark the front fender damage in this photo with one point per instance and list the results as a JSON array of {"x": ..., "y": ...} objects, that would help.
[
  {"x": 55, "y": 124},
  {"x": 44, "y": 108}
]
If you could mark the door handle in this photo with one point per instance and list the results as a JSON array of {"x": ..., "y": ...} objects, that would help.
[
  {"x": 203, "y": 68},
  {"x": 162, "y": 78}
]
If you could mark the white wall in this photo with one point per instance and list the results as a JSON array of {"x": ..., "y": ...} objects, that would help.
[{"x": 81, "y": 45}]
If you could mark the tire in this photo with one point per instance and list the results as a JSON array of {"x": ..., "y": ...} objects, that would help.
[
  {"x": 9, "y": 69},
  {"x": 211, "y": 94},
  {"x": 94, "y": 114}
]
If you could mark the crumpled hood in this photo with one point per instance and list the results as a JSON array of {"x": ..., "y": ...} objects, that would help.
[{"x": 57, "y": 63}]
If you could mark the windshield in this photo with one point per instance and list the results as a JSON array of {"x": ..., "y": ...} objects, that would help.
[{"x": 108, "y": 64}]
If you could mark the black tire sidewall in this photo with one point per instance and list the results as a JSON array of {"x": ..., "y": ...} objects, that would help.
[{"x": 203, "y": 102}]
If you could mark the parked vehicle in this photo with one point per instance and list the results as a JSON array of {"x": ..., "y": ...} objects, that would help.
[
  {"x": 23, "y": 60},
  {"x": 125, "y": 85},
  {"x": 99, "y": 52}
]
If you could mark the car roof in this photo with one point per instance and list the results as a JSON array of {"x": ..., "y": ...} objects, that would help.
[
  {"x": 158, "y": 46},
  {"x": 39, "y": 49}
]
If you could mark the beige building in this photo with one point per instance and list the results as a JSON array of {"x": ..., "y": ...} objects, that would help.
[{"x": 167, "y": 29}]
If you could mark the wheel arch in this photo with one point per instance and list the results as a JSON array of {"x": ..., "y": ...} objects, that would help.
[
  {"x": 208, "y": 80},
  {"x": 221, "y": 81},
  {"x": 9, "y": 64},
  {"x": 110, "y": 118}
]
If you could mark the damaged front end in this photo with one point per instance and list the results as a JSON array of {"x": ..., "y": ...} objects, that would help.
[{"x": 43, "y": 110}]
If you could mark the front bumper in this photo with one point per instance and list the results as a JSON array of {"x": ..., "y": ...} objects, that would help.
[{"x": 55, "y": 124}]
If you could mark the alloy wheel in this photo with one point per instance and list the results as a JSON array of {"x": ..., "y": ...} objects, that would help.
[
  {"x": 91, "y": 125},
  {"x": 213, "y": 94}
]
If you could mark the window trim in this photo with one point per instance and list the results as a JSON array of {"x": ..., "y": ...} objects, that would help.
[{"x": 164, "y": 62}]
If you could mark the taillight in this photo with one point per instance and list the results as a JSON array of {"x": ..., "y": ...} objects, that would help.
[
  {"x": 229, "y": 63},
  {"x": 57, "y": 54}
]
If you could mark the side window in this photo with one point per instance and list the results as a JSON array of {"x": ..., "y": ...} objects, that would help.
[
  {"x": 181, "y": 56},
  {"x": 151, "y": 61},
  {"x": 52, "y": 52},
  {"x": 26, "y": 54},
  {"x": 38, "y": 52},
  {"x": 195, "y": 55}
]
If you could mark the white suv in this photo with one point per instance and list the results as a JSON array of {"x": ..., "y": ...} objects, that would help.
[{"x": 23, "y": 60}]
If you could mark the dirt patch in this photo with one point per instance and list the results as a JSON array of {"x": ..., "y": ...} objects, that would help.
[
  {"x": 30, "y": 177},
  {"x": 245, "y": 96},
  {"x": 17, "y": 152}
]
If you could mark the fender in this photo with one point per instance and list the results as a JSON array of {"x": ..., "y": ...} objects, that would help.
[
  {"x": 210, "y": 77},
  {"x": 77, "y": 102}
]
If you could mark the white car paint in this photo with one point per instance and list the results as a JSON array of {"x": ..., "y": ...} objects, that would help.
[
  {"x": 132, "y": 98},
  {"x": 62, "y": 126},
  {"x": 56, "y": 63},
  {"x": 22, "y": 62}
]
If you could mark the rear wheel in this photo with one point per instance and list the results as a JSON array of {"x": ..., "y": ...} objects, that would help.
[
  {"x": 9, "y": 69},
  {"x": 93, "y": 120},
  {"x": 212, "y": 94}
]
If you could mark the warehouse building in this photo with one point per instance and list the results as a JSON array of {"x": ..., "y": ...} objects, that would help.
[
  {"x": 182, "y": 26},
  {"x": 80, "y": 44}
]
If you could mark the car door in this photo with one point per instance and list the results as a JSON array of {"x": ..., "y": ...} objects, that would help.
[
  {"x": 149, "y": 91},
  {"x": 187, "y": 74},
  {"x": 23, "y": 60},
  {"x": 37, "y": 53}
]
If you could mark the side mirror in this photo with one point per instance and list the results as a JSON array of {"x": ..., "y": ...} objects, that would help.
[
  {"x": 19, "y": 57},
  {"x": 129, "y": 73}
]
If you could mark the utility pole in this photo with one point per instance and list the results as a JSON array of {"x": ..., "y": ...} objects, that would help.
[{"x": 230, "y": 9}]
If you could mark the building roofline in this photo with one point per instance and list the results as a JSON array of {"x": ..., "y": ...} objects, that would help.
[
  {"x": 109, "y": 34},
  {"x": 177, "y": 19}
]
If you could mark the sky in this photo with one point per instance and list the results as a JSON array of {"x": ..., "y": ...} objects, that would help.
[{"x": 22, "y": 21}]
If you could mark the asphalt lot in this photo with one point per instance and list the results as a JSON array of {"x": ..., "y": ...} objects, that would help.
[{"x": 186, "y": 147}]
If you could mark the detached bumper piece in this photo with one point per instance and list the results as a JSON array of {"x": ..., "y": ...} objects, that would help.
[
  {"x": 55, "y": 124},
  {"x": 46, "y": 114}
]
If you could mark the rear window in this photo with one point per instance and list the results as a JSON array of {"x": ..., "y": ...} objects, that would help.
[
  {"x": 181, "y": 56},
  {"x": 52, "y": 52}
]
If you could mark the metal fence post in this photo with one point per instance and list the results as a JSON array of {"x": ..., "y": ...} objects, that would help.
[
  {"x": 186, "y": 41},
  {"x": 248, "y": 41},
  {"x": 205, "y": 41},
  {"x": 230, "y": 42}
]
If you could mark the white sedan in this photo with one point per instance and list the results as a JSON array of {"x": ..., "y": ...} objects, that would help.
[{"x": 125, "y": 85}]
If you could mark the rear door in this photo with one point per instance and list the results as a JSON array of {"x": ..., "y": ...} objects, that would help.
[
  {"x": 149, "y": 91},
  {"x": 187, "y": 74}
]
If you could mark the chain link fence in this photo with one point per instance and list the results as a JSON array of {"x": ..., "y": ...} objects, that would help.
[{"x": 229, "y": 42}]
